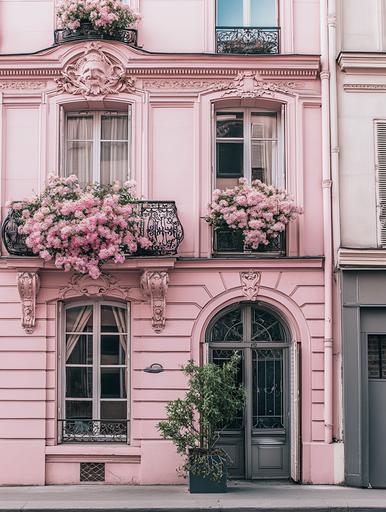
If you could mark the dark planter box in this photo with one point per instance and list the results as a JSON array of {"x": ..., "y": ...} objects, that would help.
[{"x": 206, "y": 484}]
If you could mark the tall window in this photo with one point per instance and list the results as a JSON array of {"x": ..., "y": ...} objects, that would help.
[
  {"x": 247, "y": 13},
  {"x": 95, "y": 370},
  {"x": 96, "y": 146},
  {"x": 247, "y": 145}
]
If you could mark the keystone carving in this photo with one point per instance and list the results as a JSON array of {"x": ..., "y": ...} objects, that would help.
[
  {"x": 94, "y": 74},
  {"x": 249, "y": 84},
  {"x": 28, "y": 284},
  {"x": 250, "y": 283},
  {"x": 155, "y": 286},
  {"x": 84, "y": 285}
]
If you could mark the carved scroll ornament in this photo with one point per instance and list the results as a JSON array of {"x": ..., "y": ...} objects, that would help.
[
  {"x": 105, "y": 285},
  {"x": 94, "y": 74},
  {"x": 250, "y": 282},
  {"x": 155, "y": 286},
  {"x": 28, "y": 284},
  {"x": 249, "y": 84}
]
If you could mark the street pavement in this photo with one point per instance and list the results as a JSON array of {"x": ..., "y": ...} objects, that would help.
[{"x": 241, "y": 496}]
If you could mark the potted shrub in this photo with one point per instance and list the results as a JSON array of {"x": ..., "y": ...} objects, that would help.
[
  {"x": 194, "y": 423},
  {"x": 80, "y": 228},
  {"x": 258, "y": 211},
  {"x": 101, "y": 17}
]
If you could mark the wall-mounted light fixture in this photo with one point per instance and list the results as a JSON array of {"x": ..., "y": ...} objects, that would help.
[{"x": 154, "y": 368}]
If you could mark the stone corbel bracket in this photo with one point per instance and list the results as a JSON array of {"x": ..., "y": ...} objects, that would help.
[
  {"x": 250, "y": 283},
  {"x": 28, "y": 284},
  {"x": 154, "y": 284}
]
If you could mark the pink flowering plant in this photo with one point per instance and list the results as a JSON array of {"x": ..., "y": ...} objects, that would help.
[
  {"x": 105, "y": 16},
  {"x": 81, "y": 228},
  {"x": 260, "y": 211}
]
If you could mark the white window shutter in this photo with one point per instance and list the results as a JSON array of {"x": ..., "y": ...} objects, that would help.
[
  {"x": 381, "y": 178},
  {"x": 295, "y": 411}
]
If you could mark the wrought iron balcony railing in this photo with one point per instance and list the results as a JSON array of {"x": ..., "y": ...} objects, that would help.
[
  {"x": 231, "y": 241},
  {"x": 248, "y": 40},
  {"x": 86, "y": 31},
  {"x": 160, "y": 224},
  {"x": 93, "y": 431}
]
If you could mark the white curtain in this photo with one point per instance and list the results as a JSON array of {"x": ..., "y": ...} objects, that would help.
[
  {"x": 80, "y": 323},
  {"x": 120, "y": 320},
  {"x": 114, "y": 148},
  {"x": 79, "y": 147}
]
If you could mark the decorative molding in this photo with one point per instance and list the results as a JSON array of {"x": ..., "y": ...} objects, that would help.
[
  {"x": 83, "y": 284},
  {"x": 250, "y": 283},
  {"x": 94, "y": 74},
  {"x": 21, "y": 84},
  {"x": 182, "y": 83},
  {"x": 28, "y": 284},
  {"x": 364, "y": 87},
  {"x": 362, "y": 258},
  {"x": 359, "y": 63},
  {"x": 249, "y": 84},
  {"x": 20, "y": 71},
  {"x": 155, "y": 286}
]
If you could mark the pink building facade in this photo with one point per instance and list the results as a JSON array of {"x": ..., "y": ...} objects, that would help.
[{"x": 79, "y": 397}]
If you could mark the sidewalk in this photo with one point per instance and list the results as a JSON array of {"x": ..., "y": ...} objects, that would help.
[{"x": 241, "y": 496}]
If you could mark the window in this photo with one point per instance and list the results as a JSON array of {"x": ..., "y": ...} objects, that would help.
[
  {"x": 247, "y": 13},
  {"x": 380, "y": 149},
  {"x": 94, "y": 372},
  {"x": 96, "y": 146},
  {"x": 247, "y": 146}
]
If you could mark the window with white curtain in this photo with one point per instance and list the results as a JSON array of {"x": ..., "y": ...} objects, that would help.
[
  {"x": 248, "y": 144},
  {"x": 95, "y": 360},
  {"x": 97, "y": 146}
]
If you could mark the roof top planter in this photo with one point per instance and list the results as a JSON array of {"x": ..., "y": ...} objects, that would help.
[{"x": 96, "y": 19}]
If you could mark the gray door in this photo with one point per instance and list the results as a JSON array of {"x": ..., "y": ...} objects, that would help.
[{"x": 258, "y": 439}]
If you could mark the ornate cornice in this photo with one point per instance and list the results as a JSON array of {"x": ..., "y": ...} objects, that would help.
[
  {"x": 21, "y": 84},
  {"x": 250, "y": 282},
  {"x": 155, "y": 286},
  {"x": 362, "y": 258},
  {"x": 28, "y": 285},
  {"x": 370, "y": 63},
  {"x": 364, "y": 87},
  {"x": 83, "y": 285}
]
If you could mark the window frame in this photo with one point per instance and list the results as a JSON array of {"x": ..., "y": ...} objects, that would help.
[
  {"x": 247, "y": 12},
  {"x": 96, "y": 399},
  {"x": 96, "y": 139}
]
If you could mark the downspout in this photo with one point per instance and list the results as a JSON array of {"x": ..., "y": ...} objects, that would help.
[{"x": 327, "y": 229}]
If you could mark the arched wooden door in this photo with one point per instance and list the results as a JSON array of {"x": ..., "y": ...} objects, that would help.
[{"x": 258, "y": 441}]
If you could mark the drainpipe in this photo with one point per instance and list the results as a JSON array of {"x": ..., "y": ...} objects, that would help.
[{"x": 327, "y": 229}]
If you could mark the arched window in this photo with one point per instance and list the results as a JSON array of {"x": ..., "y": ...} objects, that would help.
[{"x": 95, "y": 356}]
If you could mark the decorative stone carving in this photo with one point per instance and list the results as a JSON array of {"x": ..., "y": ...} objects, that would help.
[
  {"x": 184, "y": 83},
  {"x": 250, "y": 282},
  {"x": 364, "y": 87},
  {"x": 94, "y": 74},
  {"x": 21, "y": 84},
  {"x": 249, "y": 84},
  {"x": 28, "y": 284},
  {"x": 155, "y": 286},
  {"x": 105, "y": 285}
]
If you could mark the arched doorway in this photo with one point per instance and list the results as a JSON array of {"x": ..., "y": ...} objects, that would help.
[{"x": 258, "y": 441}]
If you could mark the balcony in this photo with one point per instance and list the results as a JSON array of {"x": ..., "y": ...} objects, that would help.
[
  {"x": 92, "y": 431},
  {"x": 230, "y": 242},
  {"x": 86, "y": 31},
  {"x": 248, "y": 40},
  {"x": 160, "y": 224}
]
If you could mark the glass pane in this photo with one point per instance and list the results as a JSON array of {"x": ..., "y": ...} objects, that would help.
[
  {"x": 376, "y": 356},
  {"x": 267, "y": 402},
  {"x": 78, "y": 382},
  {"x": 79, "y": 161},
  {"x": 228, "y": 327},
  {"x": 79, "y": 319},
  {"x": 113, "y": 349},
  {"x": 266, "y": 327},
  {"x": 229, "y": 13},
  {"x": 229, "y": 124},
  {"x": 78, "y": 349},
  {"x": 113, "y": 410},
  {"x": 113, "y": 382},
  {"x": 114, "y": 158},
  {"x": 262, "y": 161},
  {"x": 113, "y": 319},
  {"x": 229, "y": 159},
  {"x": 114, "y": 127},
  {"x": 79, "y": 128},
  {"x": 76, "y": 409},
  {"x": 263, "y": 13},
  {"x": 263, "y": 126}
]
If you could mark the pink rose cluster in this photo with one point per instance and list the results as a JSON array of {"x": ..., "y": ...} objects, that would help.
[
  {"x": 104, "y": 15},
  {"x": 261, "y": 211},
  {"x": 82, "y": 228}
]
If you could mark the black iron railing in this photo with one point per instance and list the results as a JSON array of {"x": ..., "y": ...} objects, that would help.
[
  {"x": 86, "y": 31},
  {"x": 231, "y": 241},
  {"x": 159, "y": 223},
  {"x": 248, "y": 40},
  {"x": 93, "y": 431}
]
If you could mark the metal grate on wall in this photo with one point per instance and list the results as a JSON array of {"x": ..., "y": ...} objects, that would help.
[
  {"x": 92, "y": 472},
  {"x": 380, "y": 128}
]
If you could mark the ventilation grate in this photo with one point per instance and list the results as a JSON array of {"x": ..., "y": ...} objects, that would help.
[
  {"x": 381, "y": 178},
  {"x": 92, "y": 472}
]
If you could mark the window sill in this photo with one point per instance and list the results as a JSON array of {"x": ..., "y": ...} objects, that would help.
[{"x": 80, "y": 452}]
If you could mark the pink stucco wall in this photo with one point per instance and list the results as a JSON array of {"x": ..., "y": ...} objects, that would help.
[{"x": 172, "y": 160}]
